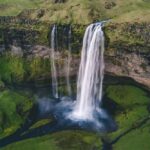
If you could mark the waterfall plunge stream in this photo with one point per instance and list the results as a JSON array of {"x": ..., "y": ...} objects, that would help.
[
  {"x": 87, "y": 111},
  {"x": 91, "y": 73}
]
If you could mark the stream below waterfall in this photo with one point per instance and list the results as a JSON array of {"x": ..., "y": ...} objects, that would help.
[{"x": 42, "y": 110}]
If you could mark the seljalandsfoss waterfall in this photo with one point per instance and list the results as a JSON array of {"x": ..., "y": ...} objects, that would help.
[
  {"x": 86, "y": 111},
  {"x": 91, "y": 73}
]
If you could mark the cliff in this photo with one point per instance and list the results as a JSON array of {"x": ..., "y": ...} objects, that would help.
[{"x": 27, "y": 34}]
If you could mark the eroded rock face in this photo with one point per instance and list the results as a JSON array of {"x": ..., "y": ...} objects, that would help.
[
  {"x": 127, "y": 48},
  {"x": 130, "y": 65},
  {"x": 17, "y": 37},
  {"x": 128, "y": 51}
]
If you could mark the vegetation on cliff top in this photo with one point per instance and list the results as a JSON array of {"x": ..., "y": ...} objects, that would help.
[{"x": 79, "y": 11}]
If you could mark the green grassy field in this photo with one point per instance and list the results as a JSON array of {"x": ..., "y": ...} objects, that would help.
[
  {"x": 133, "y": 103},
  {"x": 14, "y": 7},
  {"x": 65, "y": 140},
  {"x": 136, "y": 140},
  {"x": 80, "y": 11},
  {"x": 14, "y": 108}
]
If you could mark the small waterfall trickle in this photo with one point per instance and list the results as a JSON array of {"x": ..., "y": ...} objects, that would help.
[
  {"x": 91, "y": 73},
  {"x": 68, "y": 63},
  {"x": 53, "y": 65}
]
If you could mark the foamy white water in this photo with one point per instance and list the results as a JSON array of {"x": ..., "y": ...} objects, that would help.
[
  {"x": 91, "y": 73},
  {"x": 53, "y": 65}
]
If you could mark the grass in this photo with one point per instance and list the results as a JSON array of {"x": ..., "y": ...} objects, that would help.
[
  {"x": 136, "y": 140},
  {"x": 14, "y": 69},
  {"x": 40, "y": 123},
  {"x": 127, "y": 95},
  {"x": 80, "y": 11},
  {"x": 123, "y": 10},
  {"x": 14, "y": 109},
  {"x": 11, "y": 67},
  {"x": 42, "y": 143},
  {"x": 65, "y": 140},
  {"x": 14, "y": 7},
  {"x": 132, "y": 102},
  {"x": 2, "y": 85}
]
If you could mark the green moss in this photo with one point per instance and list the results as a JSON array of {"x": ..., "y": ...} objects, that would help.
[
  {"x": 14, "y": 69},
  {"x": 40, "y": 123},
  {"x": 41, "y": 143},
  {"x": 127, "y": 95},
  {"x": 127, "y": 36},
  {"x": 132, "y": 102},
  {"x": 2, "y": 85},
  {"x": 16, "y": 6},
  {"x": 78, "y": 33},
  {"x": 136, "y": 140},
  {"x": 11, "y": 68},
  {"x": 65, "y": 140},
  {"x": 38, "y": 67},
  {"x": 14, "y": 109},
  {"x": 128, "y": 119},
  {"x": 77, "y": 140},
  {"x": 31, "y": 33}
]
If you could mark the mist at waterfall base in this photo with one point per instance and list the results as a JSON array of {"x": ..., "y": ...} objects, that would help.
[{"x": 85, "y": 112}]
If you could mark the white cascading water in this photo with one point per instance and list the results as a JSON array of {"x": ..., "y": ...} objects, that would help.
[
  {"x": 86, "y": 112},
  {"x": 68, "y": 63},
  {"x": 53, "y": 65},
  {"x": 91, "y": 73}
]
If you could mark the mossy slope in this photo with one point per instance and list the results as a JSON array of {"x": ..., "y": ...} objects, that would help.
[{"x": 14, "y": 109}]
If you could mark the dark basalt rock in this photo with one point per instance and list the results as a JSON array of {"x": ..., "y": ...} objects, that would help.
[
  {"x": 18, "y": 37},
  {"x": 59, "y": 1}
]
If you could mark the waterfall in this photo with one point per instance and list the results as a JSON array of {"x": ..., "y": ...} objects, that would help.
[
  {"x": 86, "y": 112},
  {"x": 91, "y": 73},
  {"x": 68, "y": 63},
  {"x": 53, "y": 65}
]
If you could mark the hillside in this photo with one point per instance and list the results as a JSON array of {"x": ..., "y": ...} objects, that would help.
[{"x": 78, "y": 11}]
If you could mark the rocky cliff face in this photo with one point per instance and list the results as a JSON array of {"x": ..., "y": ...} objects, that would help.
[
  {"x": 16, "y": 37},
  {"x": 128, "y": 51},
  {"x": 130, "y": 65},
  {"x": 127, "y": 47}
]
